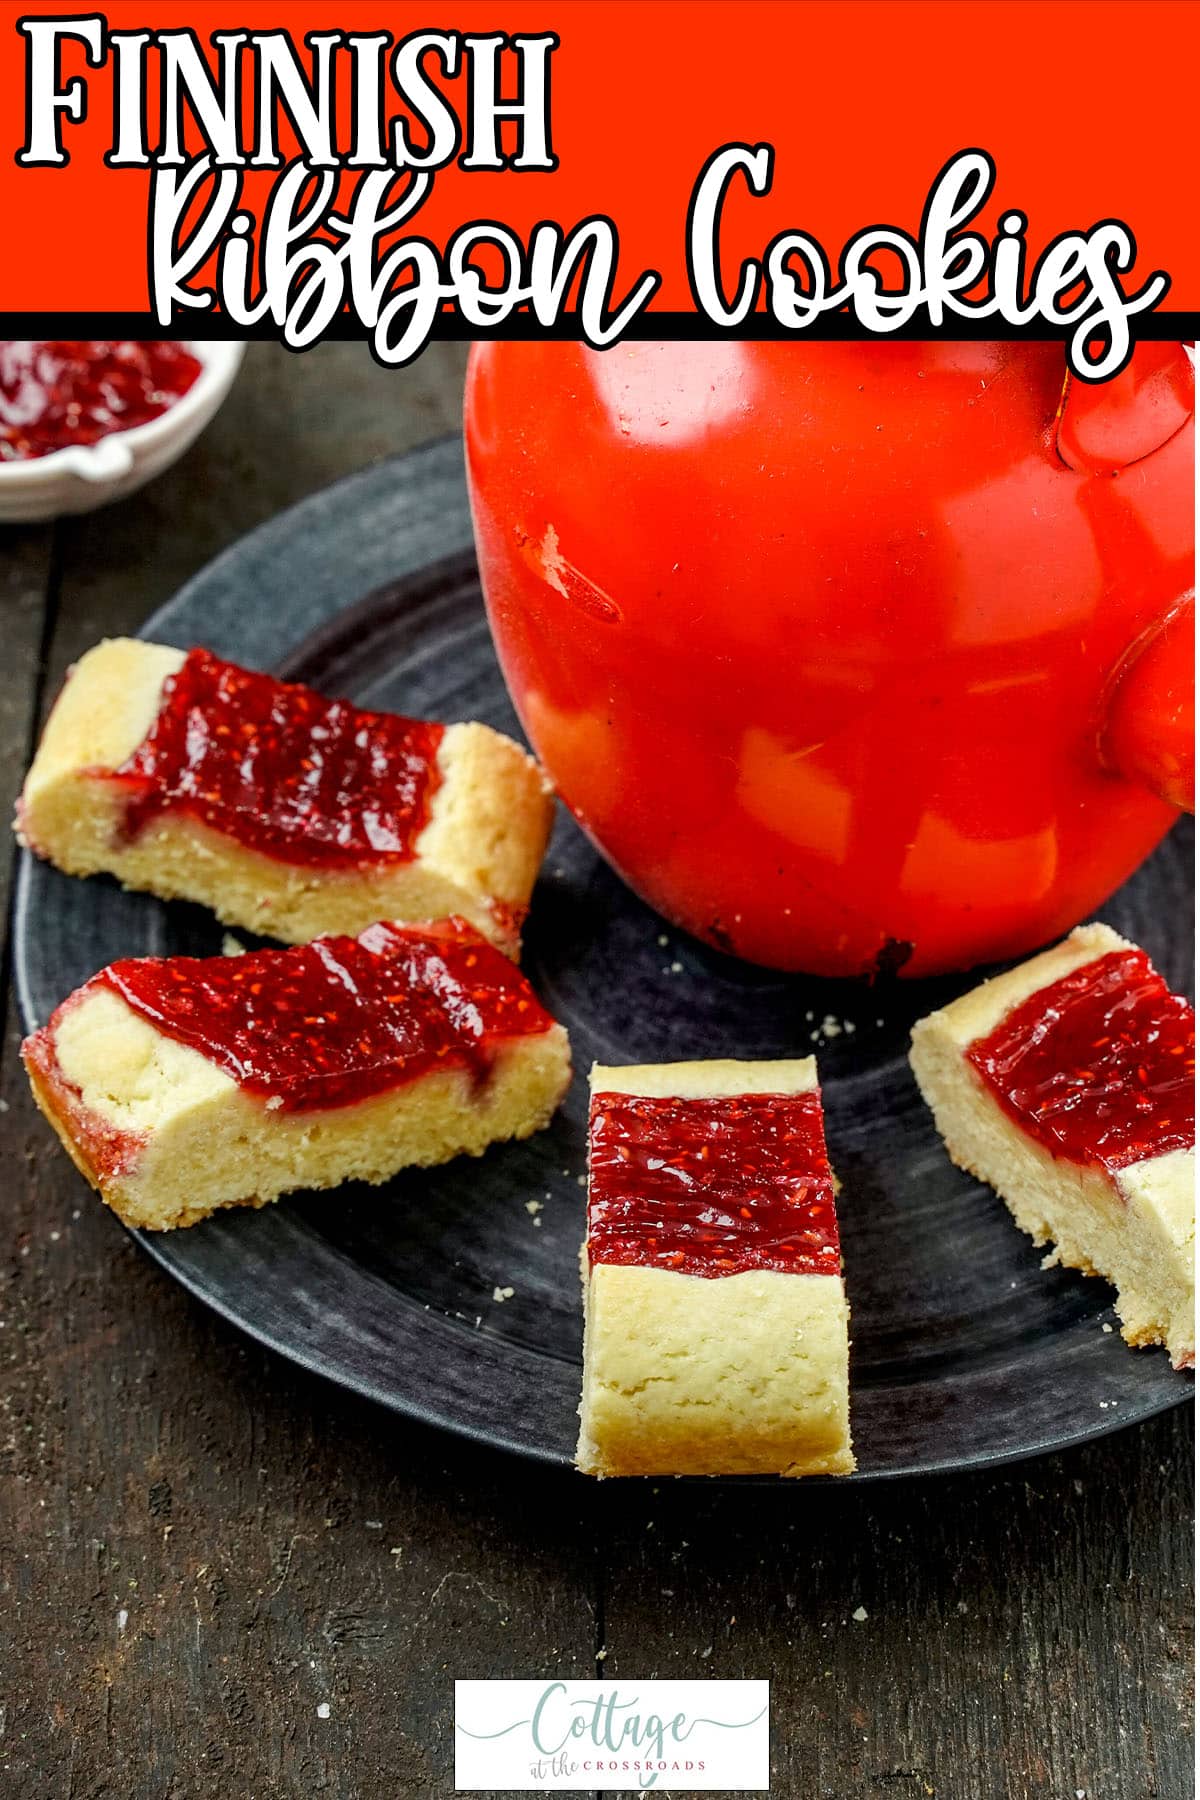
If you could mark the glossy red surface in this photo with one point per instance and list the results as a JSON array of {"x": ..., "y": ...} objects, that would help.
[
  {"x": 711, "y": 1187},
  {"x": 282, "y": 769},
  {"x": 1150, "y": 724},
  {"x": 1099, "y": 1067},
  {"x": 57, "y": 393},
  {"x": 816, "y": 639},
  {"x": 336, "y": 1021}
]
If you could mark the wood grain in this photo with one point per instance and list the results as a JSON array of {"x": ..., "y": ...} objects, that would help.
[
  {"x": 200, "y": 1547},
  {"x": 999, "y": 1655}
]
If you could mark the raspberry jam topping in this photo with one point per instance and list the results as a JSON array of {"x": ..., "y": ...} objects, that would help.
[
  {"x": 336, "y": 1021},
  {"x": 282, "y": 769},
  {"x": 1099, "y": 1066},
  {"x": 711, "y": 1187},
  {"x": 55, "y": 394}
]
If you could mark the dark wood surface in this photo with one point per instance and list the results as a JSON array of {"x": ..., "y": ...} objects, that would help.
[{"x": 202, "y": 1548}]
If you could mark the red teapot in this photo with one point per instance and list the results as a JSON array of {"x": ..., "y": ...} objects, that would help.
[{"x": 849, "y": 657}]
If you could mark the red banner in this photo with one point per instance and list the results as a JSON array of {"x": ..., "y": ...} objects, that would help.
[{"x": 584, "y": 167}]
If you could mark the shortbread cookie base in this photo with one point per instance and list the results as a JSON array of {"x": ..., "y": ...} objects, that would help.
[
  {"x": 1136, "y": 1229},
  {"x": 187, "y": 1140},
  {"x": 742, "y": 1374},
  {"x": 721, "y": 1079},
  {"x": 738, "y": 1375},
  {"x": 478, "y": 855}
]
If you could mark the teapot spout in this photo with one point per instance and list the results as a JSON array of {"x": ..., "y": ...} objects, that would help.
[{"x": 1149, "y": 729}]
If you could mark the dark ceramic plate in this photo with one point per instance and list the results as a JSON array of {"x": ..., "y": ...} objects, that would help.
[{"x": 965, "y": 1351}]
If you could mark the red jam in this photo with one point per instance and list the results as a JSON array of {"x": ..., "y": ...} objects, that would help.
[
  {"x": 334, "y": 1022},
  {"x": 56, "y": 394},
  {"x": 282, "y": 769},
  {"x": 1099, "y": 1067},
  {"x": 711, "y": 1187}
]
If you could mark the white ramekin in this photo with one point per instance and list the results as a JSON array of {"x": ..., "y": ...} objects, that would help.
[{"x": 85, "y": 476}]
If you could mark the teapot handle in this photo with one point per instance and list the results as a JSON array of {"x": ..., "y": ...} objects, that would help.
[
  {"x": 1105, "y": 426},
  {"x": 1149, "y": 728}
]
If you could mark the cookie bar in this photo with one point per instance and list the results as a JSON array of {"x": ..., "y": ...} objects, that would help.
[
  {"x": 1067, "y": 1084},
  {"x": 715, "y": 1316},
  {"x": 183, "y": 1084},
  {"x": 284, "y": 812}
]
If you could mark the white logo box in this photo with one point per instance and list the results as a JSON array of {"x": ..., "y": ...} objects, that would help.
[{"x": 585, "y": 1736}]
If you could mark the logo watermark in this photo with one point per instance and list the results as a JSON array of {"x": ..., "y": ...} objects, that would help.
[{"x": 581, "y": 1736}]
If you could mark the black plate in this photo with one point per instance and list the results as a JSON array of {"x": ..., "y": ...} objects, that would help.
[{"x": 965, "y": 1351}]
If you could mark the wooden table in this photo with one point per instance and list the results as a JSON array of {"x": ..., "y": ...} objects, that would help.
[{"x": 225, "y": 1578}]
